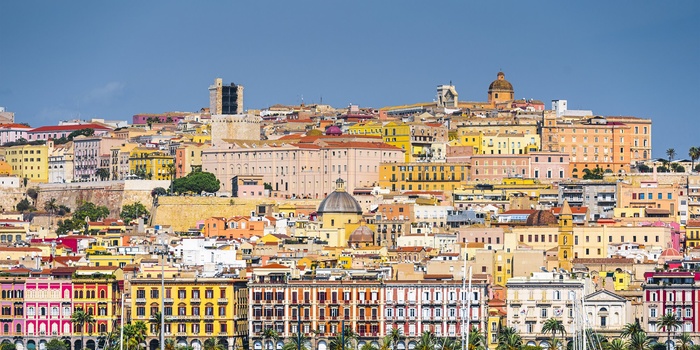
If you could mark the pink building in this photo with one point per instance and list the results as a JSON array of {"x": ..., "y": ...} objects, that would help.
[
  {"x": 302, "y": 169},
  {"x": 13, "y": 132},
  {"x": 11, "y": 299},
  {"x": 88, "y": 153},
  {"x": 671, "y": 292},
  {"x": 58, "y": 131},
  {"x": 48, "y": 307},
  {"x": 545, "y": 166}
]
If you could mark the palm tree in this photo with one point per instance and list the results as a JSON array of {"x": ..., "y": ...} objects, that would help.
[
  {"x": 213, "y": 344},
  {"x": 639, "y": 341},
  {"x": 685, "y": 342},
  {"x": 631, "y": 329},
  {"x": 369, "y": 346},
  {"x": 426, "y": 341},
  {"x": 509, "y": 341},
  {"x": 154, "y": 320},
  {"x": 270, "y": 336},
  {"x": 450, "y": 344},
  {"x": 395, "y": 335},
  {"x": 670, "y": 322},
  {"x": 616, "y": 344},
  {"x": 386, "y": 343},
  {"x": 50, "y": 206},
  {"x": 694, "y": 153},
  {"x": 170, "y": 344},
  {"x": 476, "y": 339},
  {"x": 671, "y": 153},
  {"x": 553, "y": 326},
  {"x": 82, "y": 319},
  {"x": 299, "y": 341}
]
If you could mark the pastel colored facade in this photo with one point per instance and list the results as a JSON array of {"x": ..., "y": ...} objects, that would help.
[
  {"x": 613, "y": 144},
  {"x": 56, "y": 132},
  {"x": 509, "y": 143},
  {"x": 198, "y": 308},
  {"x": 599, "y": 197},
  {"x": 692, "y": 234},
  {"x": 670, "y": 292},
  {"x": 151, "y": 164},
  {"x": 30, "y": 161},
  {"x": 13, "y": 132},
  {"x": 248, "y": 186},
  {"x": 369, "y": 128},
  {"x": 12, "y": 306},
  {"x": 97, "y": 291},
  {"x": 423, "y": 176},
  {"x": 119, "y": 160},
  {"x": 301, "y": 170},
  {"x": 61, "y": 163},
  {"x": 88, "y": 152},
  {"x": 234, "y": 127},
  {"x": 234, "y": 228},
  {"x": 543, "y": 166},
  {"x": 48, "y": 306},
  {"x": 188, "y": 157},
  {"x": 371, "y": 309},
  {"x": 421, "y": 141},
  {"x": 658, "y": 199}
]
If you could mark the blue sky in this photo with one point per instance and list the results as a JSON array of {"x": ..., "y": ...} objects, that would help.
[{"x": 61, "y": 60}]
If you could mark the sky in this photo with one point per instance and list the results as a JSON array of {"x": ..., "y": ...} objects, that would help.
[{"x": 98, "y": 59}]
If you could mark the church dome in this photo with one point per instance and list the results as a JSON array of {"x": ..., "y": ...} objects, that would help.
[
  {"x": 339, "y": 201},
  {"x": 541, "y": 218},
  {"x": 334, "y": 130},
  {"x": 362, "y": 234},
  {"x": 501, "y": 83}
]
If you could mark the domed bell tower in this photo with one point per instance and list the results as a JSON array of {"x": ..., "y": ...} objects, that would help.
[{"x": 566, "y": 237}]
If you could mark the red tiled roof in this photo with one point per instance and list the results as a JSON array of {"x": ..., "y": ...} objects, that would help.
[
  {"x": 519, "y": 211},
  {"x": 273, "y": 266},
  {"x": 574, "y": 210},
  {"x": 13, "y": 125},
  {"x": 49, "y": 128}
]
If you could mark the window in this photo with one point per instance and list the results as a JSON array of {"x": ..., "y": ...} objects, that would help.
[{"x": 543, "y": 313}]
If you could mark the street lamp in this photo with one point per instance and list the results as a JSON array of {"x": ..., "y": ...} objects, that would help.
[{"x": 162, "y": 252}]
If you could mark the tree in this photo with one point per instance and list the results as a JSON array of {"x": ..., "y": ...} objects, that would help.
[
  {"x": 595, "y": 174},
  {"x": 476, "y": 339},
  {"x": 426, "y": 342},
  {"x": 154, "y": 320},
  {"x": 298, "y": 341},
  {"x": 33, "y": 194},
  {"x": 671, "y": 153},
  {"x": 82, "y": 320},
  {"x": 662, "y": 169},
  {"x": 196, "y": 182},
  {"x": 7, "y": 346},
  {"x": 684, "y": 342},
  {"x": 616, "y": 344},
  {"x": 677, "y": 168},
  {"x": 213, "y": 344},
  {"x": 630, "y": 329},
  {"x": 170, "y": 344},
  {"x": 24, "y": 205},
  {"x": 51, "y": 207},
  {"x": 56, "y": 344},
  {"x": 669, "y": 321},
  {"x": 102, "y": 173},
  {"x": 694, "y": 153},
  {"x": 509, "y": 341},
  {"x": 643, "y": 168},
  {"x": 395, "y": 335},
  {"x": 639, "y": 341},
  {"x": 158, "y": 191},
  {"x": 553, "y": 326},
  {"x": 131, "y": 212},
  {"x": 270, "y": 336}
]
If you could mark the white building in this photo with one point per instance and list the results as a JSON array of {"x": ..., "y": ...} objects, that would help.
[
  {"x": 206, "y": 251},
  {"x": 607, "y": 313}
]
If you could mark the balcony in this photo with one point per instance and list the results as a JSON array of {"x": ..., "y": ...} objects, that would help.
[
  {"x": 140, "y": 300},
  {"x": 195, "y": 301},
  {"x": 222, "y": 301},
  {"x": 168, "y": 300}
]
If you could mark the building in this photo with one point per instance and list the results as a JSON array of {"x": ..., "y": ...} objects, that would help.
[
  {"x": 421, "y": 141},
  {"x": 30, "y": 162},
  {"x": 423, "y": 176},
  {"x": 89, "y": 155},
  {"x": 670, "y": 292},
  {"x": 225, "y": 99},
  {"x": 48, "y": 306},
  {"x": 500, "y": 90},
  {"x": 61, "y": 163},
  {"x": 599, "y": 197},
  {"x": 97, "y": 291},
  {"x": 119, "y": 160},
  {"x": 302, "y": 170},
  {"x": 250, "y": 186},
  {"x": 151, "y": 164},
  {"x": 50, "y": 132},
  {"x": 13, "y": 132},
  {"x": 660, "y": 200},
  {"x": 198, "y": 308},
  {"x": 369, "y": 307},
  {"x": 188, "y": 157}
]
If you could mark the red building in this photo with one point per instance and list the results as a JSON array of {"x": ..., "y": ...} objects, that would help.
[{"x": 671, "y": 292}]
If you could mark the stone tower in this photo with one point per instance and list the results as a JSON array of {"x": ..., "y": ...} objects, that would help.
[{"x": 566, "y": 237}]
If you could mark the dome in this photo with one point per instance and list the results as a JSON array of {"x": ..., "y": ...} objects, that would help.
[
  {"x": 541, "y": 218},
  {"x": 339, "y": 201},
  {"x": 314, "y": 132},
  {"x": 362, "y": 234},
  {"x": 501, "y": 83},
  {"x": 334, "y": 130}
]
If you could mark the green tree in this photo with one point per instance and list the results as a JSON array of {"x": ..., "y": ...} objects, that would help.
[
  {"x": 395, "y": 335},
  {"x": 170, "y": 344},
  {"x": 694, "y": 153},
  {"x": 616, "y": 344},
  {"x": 685, "y": 342},
  {"x": 427, "y": 341},
  {"x": 509, "y": 341},
  {"x": 82, "y": 320},
  {"x": 630, "y": 329},
  {"x": 131, "y": 212},
  {"x": 24, "y": 205},
  {"x": 671, "y": 153},
  {"x": 196, "y": 182},
  {"x": 102, "y": 173},
  {"x": 158, "y": 191},
  {"x": 213, "y": 344},
  {"x": 669, "y": 321},
  {"x": 639, "y": 341},
  {"x": 643, "y": 168},
  {"x": 270, "y": 336},
  {"x": 50, "y": 206},
  {"x": 56, "y": 344},
  {"x": 297, "y": 341},
  {"x": 595, "y": 174},
  {"x": 553, "y": 326},
  {"x": 6, "y": 345},
  {"x": 476, "y": 339},
  {"x": 368, "y": 346},
  {"x": 154, "y": 320},
  {"x": 33, "y": 194}
]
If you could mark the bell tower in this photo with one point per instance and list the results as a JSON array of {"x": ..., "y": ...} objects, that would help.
[{"x": 566, "y": 237}]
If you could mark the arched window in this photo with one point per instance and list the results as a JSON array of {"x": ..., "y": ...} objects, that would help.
[
  {"x": 18, "y": 328},
  {"x": 103, "y": 294}
]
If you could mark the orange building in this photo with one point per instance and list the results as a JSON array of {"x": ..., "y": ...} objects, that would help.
[
  {"x": 660, "y": 200},
  {"x": 235, "y": 227}
]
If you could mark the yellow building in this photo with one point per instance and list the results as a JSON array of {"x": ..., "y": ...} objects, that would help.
[
  {"x": 621, "y": 279},
  {"x": 399, "y": 135},
  {"x": 692, "y": 234},
  {"x": 509, "y": 143},
  {"x": 30, "y": 162},
  {"x": 111, "y": 260},
  {"x": 195, "y": 308},
  {"x": 151, "y": 164},
  {"x": 97, "y": 291},
  {"x": 419, "y": 140},
  {"x": 369, "y": 128},
  {"x": 188, "y": 157},
  {"x": 423, "y": 176},
  {"x": 565, "y": 253},
  {"x": 502, "y": 267}
]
